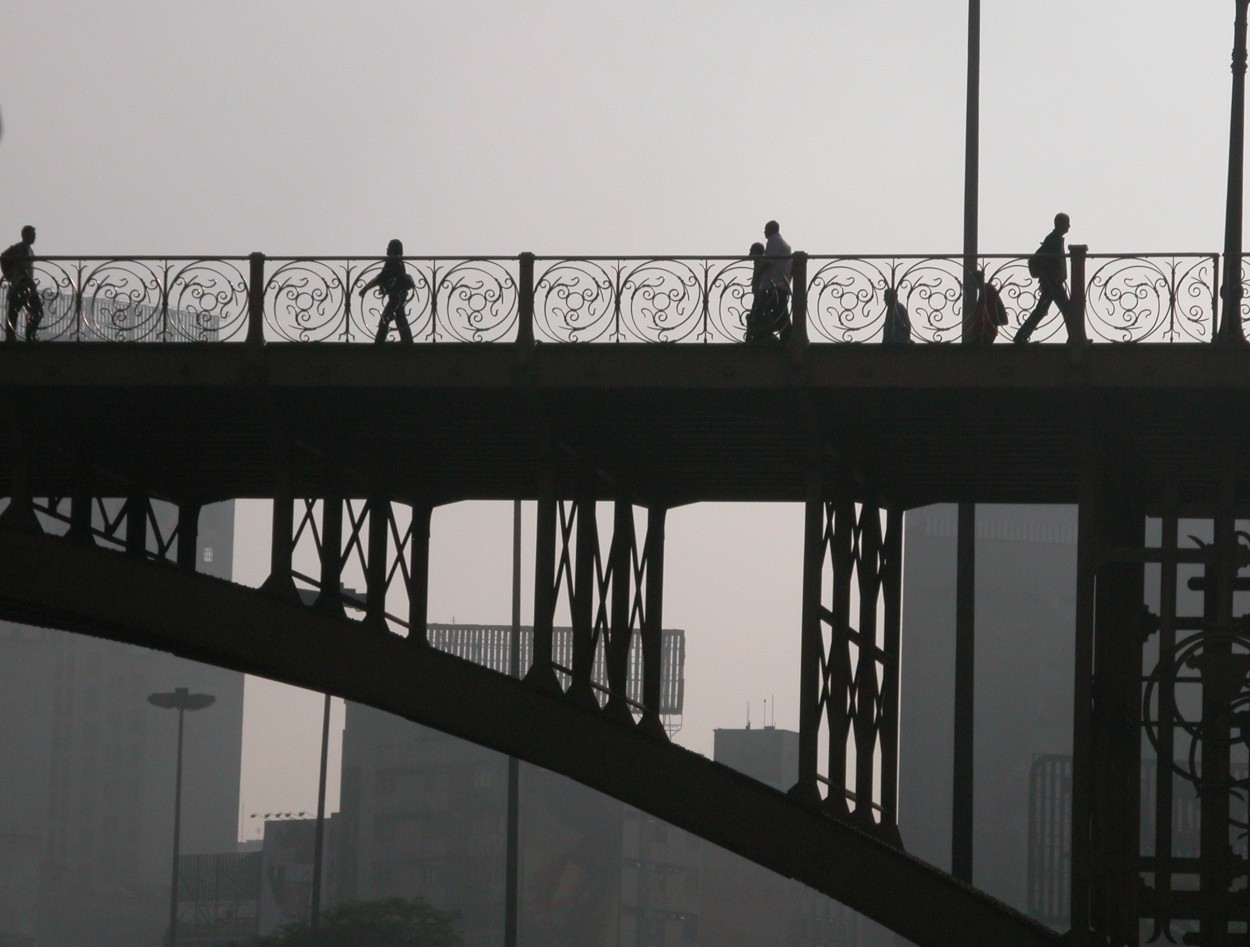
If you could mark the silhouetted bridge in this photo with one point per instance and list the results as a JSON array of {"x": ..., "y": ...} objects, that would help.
[{"x": 356, "y": 445}]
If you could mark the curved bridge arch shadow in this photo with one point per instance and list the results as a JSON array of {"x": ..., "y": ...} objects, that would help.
[{"x": 57, "y": 583}]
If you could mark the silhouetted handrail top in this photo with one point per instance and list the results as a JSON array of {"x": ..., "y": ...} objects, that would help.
[{"x": 235, "y": 258}]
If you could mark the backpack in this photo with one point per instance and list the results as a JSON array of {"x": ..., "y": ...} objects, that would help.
[
  {"x": 1037, "y": 266},
  {"x": 10, "y": 261},
  {"x": 995, "y": 311}
]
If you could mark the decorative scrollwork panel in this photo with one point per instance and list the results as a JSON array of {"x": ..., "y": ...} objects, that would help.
[
  {"x": 142, "y": 299},
  {"x": 647, "y": 300},
  {"x": 1151, "y": 299},
  {"x": 319, "y": 300}
]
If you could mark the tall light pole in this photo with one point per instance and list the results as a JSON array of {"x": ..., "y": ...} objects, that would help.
[
  {"x": 512, "y": 869},
  {"x": 1231, "y": 331},
  {"x": 181, "y": 700}
]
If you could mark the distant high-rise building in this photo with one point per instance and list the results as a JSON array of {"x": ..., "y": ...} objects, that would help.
[
  {"x": 1025, "y": 619},
  {"x": 87, "y": 775},
  {"x": 425, "y": 814},
  {"x": 766, "y": 754}
]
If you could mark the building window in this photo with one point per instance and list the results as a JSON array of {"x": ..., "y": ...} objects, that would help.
[{"x": 208, "y": 553}]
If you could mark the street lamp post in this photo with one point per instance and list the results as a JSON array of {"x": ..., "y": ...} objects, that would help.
[
  {"x": 1230, "y": 328},
  {"x": 181, "y": 700}
]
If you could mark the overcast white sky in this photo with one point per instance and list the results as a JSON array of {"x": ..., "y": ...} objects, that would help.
[{"x": 556, "y": 126}]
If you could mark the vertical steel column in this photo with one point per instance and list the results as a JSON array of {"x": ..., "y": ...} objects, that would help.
[
  {"x": 513, "y": 849},
  {"x": 965, "y": 692},
  {"x": 583, "y": 605},
  {"x": 330, "y": 598},
  {"x": 620, "y": 633},
  {"x": 1107, "y": 739},
  {"x": 1231, "y": 330},
  {"x": 1116, "y": 817},
  {"x": 653, "y": 624},
  {"x": 1165, "y": 777},
  {"x": 892, "y": 587},
  {"x": 1219, "y": 690},
  {"x": 188, "y": 535},
  {"x": 376, "y": 565},
  {"x": 1087, "y": 556},
  {"x": 281, "y": 582},
  {"x": 136, "y": 525},
  {"x": 837, "y": 680},
  {"x": 865, "y": 720},
  {"x": 314, "y": 912},
  {"x": 541, "y": 672},
  {"x": 811, "y": 643},
  {"x": 80, "y": 508},
  {"x": 419, "y": 574}
]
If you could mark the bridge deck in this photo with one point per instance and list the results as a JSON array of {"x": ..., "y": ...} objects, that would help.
[{"x": 666, "y": 424}]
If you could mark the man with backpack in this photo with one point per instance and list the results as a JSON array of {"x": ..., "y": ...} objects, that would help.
[
  {"x": 17, "y": 266},
  {"x": 1049, "y": 266}
]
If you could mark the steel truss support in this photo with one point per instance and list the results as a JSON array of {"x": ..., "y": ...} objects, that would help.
[
  {"x": 614, "y": 602},
  {"x": 389, "y": 549},
  {"x": 849, "y": 672},
  {"x": 138, "y": 524}
]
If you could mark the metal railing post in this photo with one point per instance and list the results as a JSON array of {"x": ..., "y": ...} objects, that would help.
[
  {"x": 798, "y": 289},
  {"x": 256, "y": 301},
  {"x": 525, "y": 301},
  {"x": 1079, "y": 252}
]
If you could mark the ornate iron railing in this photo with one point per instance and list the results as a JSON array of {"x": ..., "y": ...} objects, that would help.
[{"x": 1136, "y": 297}]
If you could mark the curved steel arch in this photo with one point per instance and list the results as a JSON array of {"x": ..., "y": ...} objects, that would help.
[{"x": 59, "y": 583}]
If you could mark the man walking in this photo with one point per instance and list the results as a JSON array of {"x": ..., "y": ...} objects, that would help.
[
  {"x": 1050, "y": 266},
  {"x": 17, "y": 266}
]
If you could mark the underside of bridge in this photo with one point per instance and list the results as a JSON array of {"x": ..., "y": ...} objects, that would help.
[
  {"x": 126, "y": 599},
  {"x": 356, "y": 445}
]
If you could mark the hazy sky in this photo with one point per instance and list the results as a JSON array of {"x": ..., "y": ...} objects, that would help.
[{"x": 555, "y": 126}]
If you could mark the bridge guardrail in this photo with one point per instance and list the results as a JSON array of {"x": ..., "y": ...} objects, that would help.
[{"x": 1127, "y": 298}]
